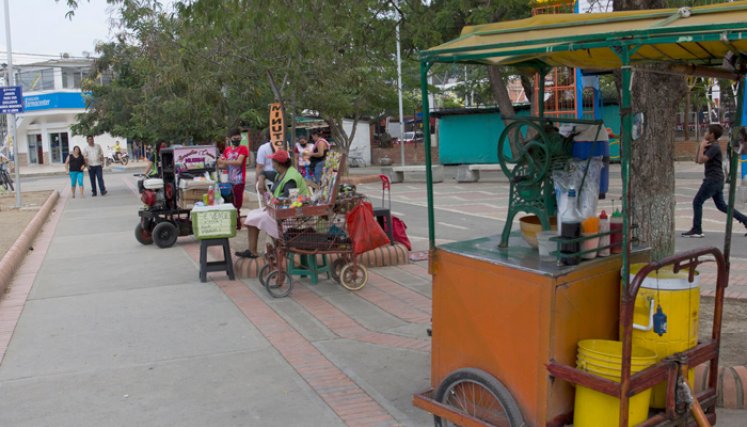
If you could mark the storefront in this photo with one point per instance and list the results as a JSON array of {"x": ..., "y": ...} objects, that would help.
[{"x": 53, "y": 99}]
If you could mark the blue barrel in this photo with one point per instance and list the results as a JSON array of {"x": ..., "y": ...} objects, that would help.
[{"x": 584, "y": 149}]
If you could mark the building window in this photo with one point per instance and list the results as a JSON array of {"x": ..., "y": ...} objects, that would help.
[
  {"x": 36, "y": 80},
  {"x": 72, "y": 79}
]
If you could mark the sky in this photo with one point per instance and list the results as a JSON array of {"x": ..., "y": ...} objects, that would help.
[{"x": 40, "y": 27}]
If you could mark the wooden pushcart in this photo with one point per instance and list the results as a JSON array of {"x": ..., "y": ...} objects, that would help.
[{"x": 506, "y": 326}]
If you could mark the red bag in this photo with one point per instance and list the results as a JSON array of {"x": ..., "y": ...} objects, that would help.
[
  {"x": 399, "y": 232},
  {"x": 363, "y": 229}
]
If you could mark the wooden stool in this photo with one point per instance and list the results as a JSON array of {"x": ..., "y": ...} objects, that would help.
[{"x": 225, "y": 265}]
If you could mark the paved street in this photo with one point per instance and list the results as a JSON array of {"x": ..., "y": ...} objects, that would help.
[{"x": 114, "y": 333}]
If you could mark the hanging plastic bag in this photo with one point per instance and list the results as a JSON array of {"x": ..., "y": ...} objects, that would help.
[
  {"x": 399, "y": 232},
  {"x": 364, "y": 230}
]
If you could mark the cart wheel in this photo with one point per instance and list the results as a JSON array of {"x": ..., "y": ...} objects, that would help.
[
  {"x": 263, "y": 273},
  {"x": 165, "y": 234},
  {"x": 353, "y": 276},
  {"x": 476, "y": 393},
  {"x": 142, "y": 235},
  {"x": 279, "y": 284},
  {"x": 337, "y": 265}
]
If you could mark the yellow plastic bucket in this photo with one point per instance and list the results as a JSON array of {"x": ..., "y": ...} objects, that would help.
[
  {"x": 680, "y": 301},
  {"x": 604, "y": 358}
]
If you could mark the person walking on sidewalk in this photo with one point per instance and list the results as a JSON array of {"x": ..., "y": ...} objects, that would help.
[
  {"x": 709, "y": 153},
  {"x": 75, "y": 164},
  {"x": 94, "y": 156}
]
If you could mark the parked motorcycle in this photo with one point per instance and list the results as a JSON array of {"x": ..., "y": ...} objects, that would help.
[{"x": 122, "y": 158}]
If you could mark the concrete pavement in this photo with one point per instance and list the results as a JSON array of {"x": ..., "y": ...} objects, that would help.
[
  {"x": 115, "y": 333},
  {"x": 109, "y": 332}
]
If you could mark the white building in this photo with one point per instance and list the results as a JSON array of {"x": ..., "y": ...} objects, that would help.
[{"x": 52, "y": 98}]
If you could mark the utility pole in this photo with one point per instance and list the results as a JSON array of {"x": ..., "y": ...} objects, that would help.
[
  {"x": 12, "y": 117},
  {"x": 399, "y": 90}
]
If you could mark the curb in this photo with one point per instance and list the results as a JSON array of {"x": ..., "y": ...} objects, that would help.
[
  {"x": 731, "y": 387},
  {"x": 12, "y": 259}
]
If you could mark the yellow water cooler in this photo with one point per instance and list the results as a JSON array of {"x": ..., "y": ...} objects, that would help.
[{"x": 679, "y": 300}]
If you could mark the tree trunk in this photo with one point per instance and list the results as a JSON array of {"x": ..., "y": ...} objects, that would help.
[
  {"x": 652, "y": 163},
  {"x": 500, "y": 93}
]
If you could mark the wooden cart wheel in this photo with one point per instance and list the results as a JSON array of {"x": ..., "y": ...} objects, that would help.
[
  {"x": 279, "y": 284},
  {"x": 336, "y": 269},
  {"x": 353, "y": 276},
  {"x": 475, "y": 392}
]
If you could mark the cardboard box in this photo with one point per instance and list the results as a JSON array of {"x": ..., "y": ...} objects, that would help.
[{"x": 192, "y": 195}]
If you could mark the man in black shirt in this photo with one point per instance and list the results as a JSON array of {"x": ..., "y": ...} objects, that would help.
[{"x": 709, "y": 152}]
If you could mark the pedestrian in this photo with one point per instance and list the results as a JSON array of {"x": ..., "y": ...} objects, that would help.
[
  {"x": 264, "y": 164},
  {"x": 709, "y": 153},
  {"x": 75, "y": 165},
  {"x": 321, "y": 147},
  {"x": 303, "y": 156},
  {"x": 234, "y": 158},
  {"x": 136, "y": 150},
  {"x": 94, "y": 156}
]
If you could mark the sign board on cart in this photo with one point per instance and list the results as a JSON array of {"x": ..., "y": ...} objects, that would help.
[
  {"x": 195, "y": 157},
  {"x": 12, "y": 100},
  {"x": 214, "y": 222}
]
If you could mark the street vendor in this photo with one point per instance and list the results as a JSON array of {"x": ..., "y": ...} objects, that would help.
[
  {"x": 284, "y": 178},
  {"x": 153, "y": 159},
  {"x": 234, "y": 158}
]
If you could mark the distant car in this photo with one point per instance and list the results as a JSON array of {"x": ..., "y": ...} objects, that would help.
[{"x": 413, "y": 137}]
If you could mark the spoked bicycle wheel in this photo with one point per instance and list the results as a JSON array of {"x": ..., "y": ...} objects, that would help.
[
  {"x": 336, "y": 268},
  {"x": 476, "y": 393},
  {"x": 263, "y": 273},
  {"x": 279, "y": 284},
  {"x": 353, "y": 276},
  {"x": 7, "y": 181}
]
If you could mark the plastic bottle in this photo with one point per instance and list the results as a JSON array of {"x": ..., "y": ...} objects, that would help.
[
  {"x": 616, "y": 227},
  {"x": 570, "y": 229},
  {"x": 211, "y": 196},
  {"x": 604, "y": 226}
]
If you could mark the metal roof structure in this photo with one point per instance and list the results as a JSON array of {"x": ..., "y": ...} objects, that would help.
[{"x": 700, "y": 35}]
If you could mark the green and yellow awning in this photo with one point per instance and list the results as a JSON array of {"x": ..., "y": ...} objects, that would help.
[{"x": 699, "y": 35}]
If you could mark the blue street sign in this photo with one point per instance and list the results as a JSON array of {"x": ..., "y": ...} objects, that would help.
[{"x": 12, "y": 100}]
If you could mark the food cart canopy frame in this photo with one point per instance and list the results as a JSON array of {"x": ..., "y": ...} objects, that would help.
[
  {"x": 699, "y": 35},
  {"x": 690, "y": 40}
]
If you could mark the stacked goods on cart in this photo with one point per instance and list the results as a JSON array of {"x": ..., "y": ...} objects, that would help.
[{"x": 192, "y": 189}]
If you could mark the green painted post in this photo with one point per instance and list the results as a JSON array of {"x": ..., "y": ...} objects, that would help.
[
  {"x": 424, "y": 67},
  {"x": 541, "y": 93},
  {"x": 627, "y": 128},
  {"x": 733, "y": 164}
]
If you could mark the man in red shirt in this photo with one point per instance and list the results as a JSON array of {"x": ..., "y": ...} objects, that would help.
[{"x": 234, "y": 158}]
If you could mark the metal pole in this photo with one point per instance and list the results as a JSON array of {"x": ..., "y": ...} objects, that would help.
[
  {"x": 627, "y": 125},
  {"x": 12, "y": 117},
  {"x": 399, "y": 91},
  {"x": 733, "y": 150},
  {"x": 424, "y": 66}
]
